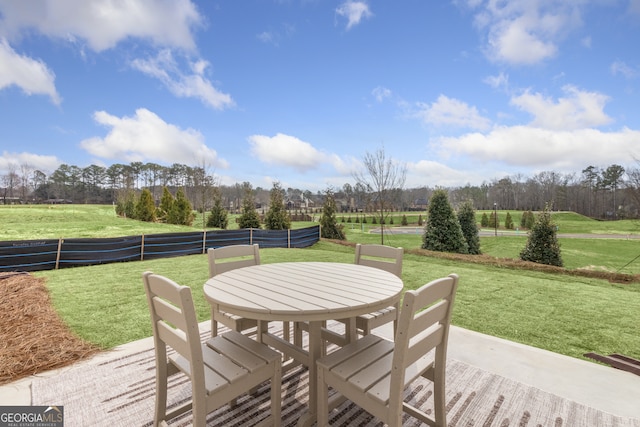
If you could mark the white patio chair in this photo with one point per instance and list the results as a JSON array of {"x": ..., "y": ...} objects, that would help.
[
  {"x": 225, "y": 367},
  {"x": 385, "y": 258},
  {"x": 373, "y": 372},
  {"x": 224, "y": 259}
]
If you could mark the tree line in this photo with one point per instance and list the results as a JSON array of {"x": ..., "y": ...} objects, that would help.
[{"x": 611, "y": 192}]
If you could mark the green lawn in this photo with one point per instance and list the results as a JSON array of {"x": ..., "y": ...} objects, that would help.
[{"x": 105, "y": 304}]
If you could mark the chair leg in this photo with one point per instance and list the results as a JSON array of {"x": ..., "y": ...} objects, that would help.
[
  {"x": 439, "y": 402},
  {"x": 199, "y": 410},
  {"x": 276, "y": 394},
  {"x": 322, "y": 416},
  {"x": 161, "y": 395}
]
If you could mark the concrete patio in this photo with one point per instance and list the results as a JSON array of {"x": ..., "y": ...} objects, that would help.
[{"x": 591, "y": 384}]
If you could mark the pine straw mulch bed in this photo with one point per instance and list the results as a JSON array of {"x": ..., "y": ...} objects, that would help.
[{"x": 33, "y": 338}]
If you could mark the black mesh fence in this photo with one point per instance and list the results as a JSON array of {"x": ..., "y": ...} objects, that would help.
[{"x": 49, "y": 254}]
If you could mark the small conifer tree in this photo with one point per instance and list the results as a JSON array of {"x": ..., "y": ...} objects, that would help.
[
  {"x": 329, "y": 227},
  {"x": 508, "y": 222},
  {"x": 484, "y": 222},
  {"x": 218, "y": 217},
  {"x": 129, "y": 205},
  {"x": 404, "y": 221},
  {"x": 166, "y": 204},
  {"x": 277, "y": 217},
  {"x": 249, "y": 217},
  {"x": 181, "y": 212},
  {"x": 442, "y": 232},
  {"x": 527, "y": 219},
  {"x": 467, "y": 219},
  {"x": 542, "y": 245},
  {"x": 146, "y": 208}
]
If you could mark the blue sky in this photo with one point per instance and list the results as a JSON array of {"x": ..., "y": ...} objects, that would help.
[{"x": 297, "y": 91}]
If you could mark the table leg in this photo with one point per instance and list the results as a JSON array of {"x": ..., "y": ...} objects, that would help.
[
  {"x": 351, "y": 334},
  {"x": 263, "y": 328},
  {"x": 315, "y": 352}
]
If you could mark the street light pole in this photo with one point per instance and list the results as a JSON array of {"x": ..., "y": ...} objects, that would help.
[{"x": 495, "y": 218}]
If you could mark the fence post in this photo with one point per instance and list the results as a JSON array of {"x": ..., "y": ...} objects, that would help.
[
  {"x": 58, "y": 254},
  {"x": 251, "y": 236},
  {"x": 142, "y": 248},
  {"x": 288, "y": 238},
  {"x": 204, "y": 241}
]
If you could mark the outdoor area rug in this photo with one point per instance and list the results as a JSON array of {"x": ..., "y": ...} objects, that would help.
[{"x": 121, "y": 392}]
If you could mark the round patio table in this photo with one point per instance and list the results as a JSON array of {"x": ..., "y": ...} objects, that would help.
[{"x": 312, "y": 292}]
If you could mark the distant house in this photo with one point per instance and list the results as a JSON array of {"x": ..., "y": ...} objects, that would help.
[
  {"x": 299, "y": 203},
  {"x": 6, "y": 200},
  {"x": 420, "y": 204}
]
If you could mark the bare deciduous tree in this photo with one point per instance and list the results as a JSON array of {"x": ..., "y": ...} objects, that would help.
[{"x": 383, "y": 177}]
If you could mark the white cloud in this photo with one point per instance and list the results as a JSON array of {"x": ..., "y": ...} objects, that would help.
[
  {"x": 30, "y": 75},
  {"x": 451, "y": 112},
  {"x": 268, "y": 37},
  {"x": 578, "y": 109},
  {"x": 515, "y": 43},
  {"x": 501, "y": 81},
  {"x": 354, "y": 11},
  {"x": 522, "y": 32},
  {"x": 286, "y": 150},
  {"x": 525, "y": 146},
  {"x": 621, "y": 67},
  {"x": 193, "y": 84},
  {"x": 274, "y": 37},
  {"x": 103, "y": 24},
  {"x": 381, "y": 93},
  {"x": 146, "y": 137},
  {"x": 45, "y": 164}
]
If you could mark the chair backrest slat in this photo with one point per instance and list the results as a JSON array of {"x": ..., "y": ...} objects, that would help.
[
  {"x": 169, "y": 313},
  {"x": 174, "y": 338},
  {"x": 423, "y": 320},
  {"x": 380, "y": 256},
  {"x": 427, "y": 342},
  {"x": 228, "y": 258}
]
